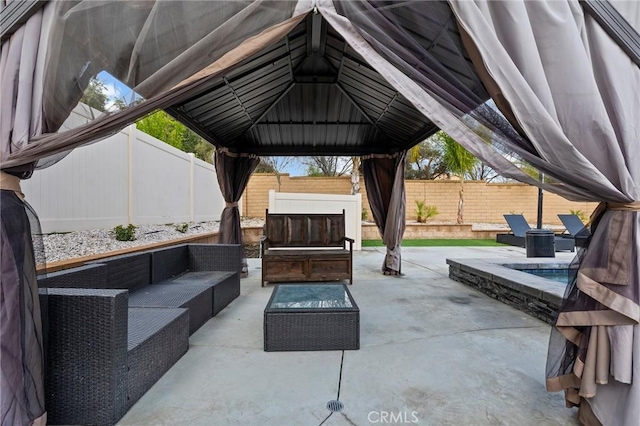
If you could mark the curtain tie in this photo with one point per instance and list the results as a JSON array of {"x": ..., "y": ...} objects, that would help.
[
  {"x": 629, "y": 207},
  {"x": 633, "y": 206},
  {"x": 11, "y": 183},
  {"x": 234, "y": 204}
]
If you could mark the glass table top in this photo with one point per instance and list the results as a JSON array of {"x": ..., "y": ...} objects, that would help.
[{"x": 310, "y": 296}]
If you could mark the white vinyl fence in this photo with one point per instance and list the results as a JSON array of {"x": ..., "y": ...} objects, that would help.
[
  {"x": 130, "y": 177},
  {"x": 284, "y": 202}
]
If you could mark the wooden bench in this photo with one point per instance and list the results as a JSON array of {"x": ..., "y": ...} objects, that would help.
[{"x": 300, "y": 247}]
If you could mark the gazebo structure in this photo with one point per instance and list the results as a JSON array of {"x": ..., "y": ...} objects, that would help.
[{"x": 550, "y": 84}]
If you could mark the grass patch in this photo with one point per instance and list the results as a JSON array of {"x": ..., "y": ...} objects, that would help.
[{"x": 437, "y": 243}]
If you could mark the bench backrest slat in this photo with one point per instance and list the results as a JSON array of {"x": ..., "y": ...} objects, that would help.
[{"x": 305, "y": 229}]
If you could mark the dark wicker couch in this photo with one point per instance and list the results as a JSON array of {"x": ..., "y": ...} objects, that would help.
[{"x": 117, "y": 325}]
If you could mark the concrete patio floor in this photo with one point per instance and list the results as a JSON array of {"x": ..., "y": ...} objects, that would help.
[{"x": 433, "y": 352}]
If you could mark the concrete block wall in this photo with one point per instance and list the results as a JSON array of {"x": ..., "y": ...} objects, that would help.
[{"x": 484, "y": 202}]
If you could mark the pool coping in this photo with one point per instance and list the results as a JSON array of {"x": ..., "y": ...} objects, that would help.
[{"x": 529, "y": 293}]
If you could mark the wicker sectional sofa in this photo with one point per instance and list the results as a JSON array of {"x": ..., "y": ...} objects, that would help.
[{"x": 115, "y": 326}]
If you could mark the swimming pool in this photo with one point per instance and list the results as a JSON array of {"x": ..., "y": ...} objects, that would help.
[
  {"x": 534, "y": 286},
  {"x": 557, "y": 275}
]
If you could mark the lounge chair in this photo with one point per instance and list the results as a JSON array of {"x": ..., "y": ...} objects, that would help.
[
  {"x": 519, "y": 226},
  {"x": 577, "y": 230}
]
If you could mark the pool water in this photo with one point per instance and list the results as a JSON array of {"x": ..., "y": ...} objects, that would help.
[{"x": 558, "y": 275}]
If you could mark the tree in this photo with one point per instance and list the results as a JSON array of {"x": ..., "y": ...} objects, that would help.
[
  {"x": 313, "y": 171},
  {"x": 278, "y": 165},
  {"x": 118, "y": 105},
  {"x": 264, "y": 167},
  {"x": 459, "y": 161},
  {"x": 327, "y": 165},
  {"x": 355, "y": 175},
  {"x": 95, "y": 95},
  {"x": 204, "y": 151},
  {"x": 531, "y": 171},
  {"x": 482, "y": 172},
  {"x": 425, "y": 161},
  {"x": 162, "y": 126}
]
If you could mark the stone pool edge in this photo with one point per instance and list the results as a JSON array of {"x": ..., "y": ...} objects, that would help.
[{"x": 536, "y": 296}]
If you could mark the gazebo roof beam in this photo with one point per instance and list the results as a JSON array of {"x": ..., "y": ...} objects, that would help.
[
  {"x": 355, "y": 104},
  {"x": 193, "y": 125},
  {"x": 316, "y": 32},
  {"x": 310, "y": 123},
  {"x": 235, "y": 95},
  {"x": 272, "y": 105}
]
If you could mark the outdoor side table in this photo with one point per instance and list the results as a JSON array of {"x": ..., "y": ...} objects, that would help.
[
  {"x": 540, "y": 243},
  {"x": 311, "y": 317}
]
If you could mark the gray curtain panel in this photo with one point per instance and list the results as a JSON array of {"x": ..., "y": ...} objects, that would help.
[
  {"x": 46, "y": 65},
  {"x": 433, "y": 71},
  {"x": 384, "y": 181},
  {"x": 40, "y": 107},
  {"x": 233, "y": 173},
  {"x": 22, "y": 69},
  {"x": 575, "y": 96},
  {"x": 146, "y": 45},
  {"x": 41, "y": 148},
  {"x": 425, "y": 62},
  {"x": 22, "y": 64},
  {"x": 22, "y": 362},
  {"x": 571, "y": 100}
]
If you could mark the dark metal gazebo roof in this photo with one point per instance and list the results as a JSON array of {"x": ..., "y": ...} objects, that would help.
[{"x": 312, "y": 94}]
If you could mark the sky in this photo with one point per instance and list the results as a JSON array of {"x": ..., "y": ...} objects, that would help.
[
  {"x": 115, "y": 89},
  {"x": 295, "y": 168}
]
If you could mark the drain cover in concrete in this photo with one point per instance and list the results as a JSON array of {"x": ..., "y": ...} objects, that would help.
[{"x": 335, "y": 406}]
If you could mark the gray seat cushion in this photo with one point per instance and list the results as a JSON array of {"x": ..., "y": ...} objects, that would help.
[{"x": 198, "y": 299}]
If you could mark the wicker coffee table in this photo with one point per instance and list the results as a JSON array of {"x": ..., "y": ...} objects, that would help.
[{"x": 311, "y": 317}]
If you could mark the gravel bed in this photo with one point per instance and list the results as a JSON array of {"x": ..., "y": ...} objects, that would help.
[{"x": 64, "y": 246}]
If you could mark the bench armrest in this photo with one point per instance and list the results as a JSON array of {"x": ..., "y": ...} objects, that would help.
[
  {"x": 350, "y": 241},
  {"x": 264, "y": 243}
]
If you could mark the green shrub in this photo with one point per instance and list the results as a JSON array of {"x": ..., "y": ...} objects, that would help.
[
  {"x": 424, "y": 211},
  {"x": 365, "y": 214},
  {"x": 123, "y": 233},
  {"x": 182, "y": 227}
]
